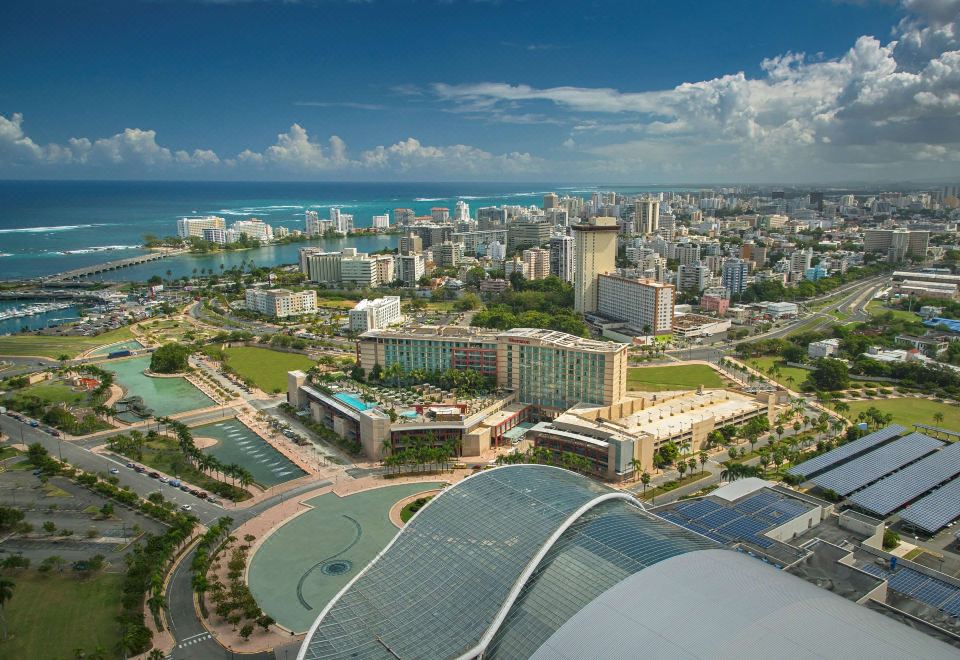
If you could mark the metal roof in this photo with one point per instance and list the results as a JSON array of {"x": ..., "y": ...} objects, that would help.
[
  {"x": 722, "y": 604},
  {"x": 894, "y": 491},
  {"x": 934, "y": 511},
  {"x": 878, "y": 463},
  {"x": 846, "y": 452},
  {"x": 446, "y": 582}
]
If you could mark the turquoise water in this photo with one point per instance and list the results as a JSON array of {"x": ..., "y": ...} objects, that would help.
[
  {"x": 351, "y": 401},
  {"x": 167, "y": 396},
  {"x": 240, "y": 445},
  {"x": 129, "y": 345}
]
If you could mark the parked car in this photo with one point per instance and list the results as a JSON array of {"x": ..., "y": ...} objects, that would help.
[
  {"x": 202, "y": 495},
  {"x": 154, "y": 475},
  {"x": 185, "y": 488},
  {"x": 175, "y": 483},
  {"x": 130, "y": 465},
  {"x": 163, "y": 479},
  {"x": 140, "y": 468},
  {"x": 114, "y": 471},
  {"x": 185, "y": 507}
]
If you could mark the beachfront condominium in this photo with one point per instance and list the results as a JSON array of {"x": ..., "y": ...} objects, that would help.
[
  {"x": 461, "y": 212},
  {"x": 595, "y": 252},
  {"x": 562, "y": 257},
  {"x": 381, "y": 222},
  {"x": 213, "y": 235},
  {"x": 546, "y": 368},
  {"x": 537, "y": 263},
  {"x": 253, "y": 229},
  {"x": 311, "y": 223},
  {"x": 281, "y": 303},
  {"x": 187, "y": 227},
  {"x": 347, "y": 267},
  {"x": 645, "y": 305},
  {"x": 375, "y": 314}
]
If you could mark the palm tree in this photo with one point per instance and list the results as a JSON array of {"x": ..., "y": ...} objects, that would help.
[
  {"x": 645, "y": 480},
  {"x": 704, "y": 458},
  {"x": 6, "y": 593},
  {"x": 636, "y": 466},
  {"x": 938, "y": 417},
  {"x": 63, "y": 359},
  {"x": 681, "y": 468}
]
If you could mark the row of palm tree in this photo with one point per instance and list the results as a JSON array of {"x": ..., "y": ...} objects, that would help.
[
  {"x": 421, "y": 452},
  {"x": 545, "y": 456},
  {"x": 206, "y": 463}
]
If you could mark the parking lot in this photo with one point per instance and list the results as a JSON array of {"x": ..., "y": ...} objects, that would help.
[{"x": 73, "y": 510}]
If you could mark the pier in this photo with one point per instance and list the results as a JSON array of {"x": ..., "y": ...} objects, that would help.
[{"x": 78, "y": 273}]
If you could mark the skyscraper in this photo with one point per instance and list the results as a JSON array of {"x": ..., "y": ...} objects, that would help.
[
  {"x": 595, "y": 252},
  {"x": 311, "y": 223},
  {"x": 735, "y": 276},
  {"x": 550, "y": 200},
  {"x": 562, "y": 257},
  {"x": 646, "y": 215}
]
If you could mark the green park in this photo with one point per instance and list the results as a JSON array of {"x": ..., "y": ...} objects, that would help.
[
  {"x": 265, "y": 368},
  {"x": 55, "y": 346},
  {"x": 909, "y": 411}
]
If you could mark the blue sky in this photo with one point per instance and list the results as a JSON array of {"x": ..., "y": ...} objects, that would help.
[{"x": 603, "y": 91}]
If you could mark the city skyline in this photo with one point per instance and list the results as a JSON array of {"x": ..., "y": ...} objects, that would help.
[{"x": 520, "y": 91}]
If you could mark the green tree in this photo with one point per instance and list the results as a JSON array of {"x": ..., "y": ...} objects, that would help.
[
  {"x": 938, "y": 417},
  {"x": 6, "y": 593},
  {"x": 704, "y": 458},
  {"x": 170, "y": 358},
  {"x": 645, "y": 480},
  {"x": 830, "y": 375}
]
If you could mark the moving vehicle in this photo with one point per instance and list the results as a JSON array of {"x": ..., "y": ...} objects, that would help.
[{"x": 114, "y": 471}]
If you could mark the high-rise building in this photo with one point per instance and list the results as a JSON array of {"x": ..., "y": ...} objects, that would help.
[
  {"x": 528, "y": 233},
  {"x": 562, "y": 257},
  {"x": 212, "y": 235},
  {"x": 410, "y": 268},
  {"x": 800, "y": 260},
  {"x": 411, "y": 244},
  {"x": 447, "y": 253},
  {"x": 816, "y": 200},
  {"x": 550, "y": 200},
  {"x": 375, "y": 314},
  {"x": 194, "y": 226},
  {"x": 897, "y": 244},
  {"x": 688, "y": 253},
  {"x": 693, "y": 277},
  {"x": 404, "y": 217},
  {"x": 440, "y": 214},
  {"x": 497, "y": 251},
  {"x": 537, "y": 261},
  {"x": 381, "y": 221},
  {"x": 646, "y": 216},
  {"x": 461, "y": 212},
  {"x": 595, "y": 253},
  {"x": 253, "y": 229},
  {"x": 735, "y": 276},
  {"x": 281, "y": 302},
  {"x": 311, "y": 223},
  {"x": 645, "y": 305}
]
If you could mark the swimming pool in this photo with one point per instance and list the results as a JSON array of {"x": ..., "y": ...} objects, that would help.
[{"x": 351, "y": 400}]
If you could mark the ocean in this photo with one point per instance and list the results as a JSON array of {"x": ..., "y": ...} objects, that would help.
[{"x": 48, "y": 227}]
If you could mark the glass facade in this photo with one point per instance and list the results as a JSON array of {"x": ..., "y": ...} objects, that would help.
[
  {"x": 556, "y": 377},
  {"x": 439, "y": 587},
  {"x": 437, "y": 355}
]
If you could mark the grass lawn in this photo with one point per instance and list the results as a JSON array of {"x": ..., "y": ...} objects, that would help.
[
  {"x": 50, "y": 616},
  {"x": 679, "y": 377},
  {"x": 908, "y": 411},
  {"x": 53, "y": 392},
  {"x": 336, "y": 303},
  {"x": 762, "y": 364},
  {"x": 266, "y": 368},
  {"x": 877, "y": 308},
  {"x": 410, "y": 508},
  {"x": 54, "y": 347}
]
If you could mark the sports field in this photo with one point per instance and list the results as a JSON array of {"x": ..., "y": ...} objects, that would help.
[
  {"x": 303, "y": 565},
  {"x": 266, "y": 368},
  {"x": 54, "y": 347},
  {"x": 55, "y": 616},
  {"x": 679, "y": 377},
  {"x": 907, "y": 411}
]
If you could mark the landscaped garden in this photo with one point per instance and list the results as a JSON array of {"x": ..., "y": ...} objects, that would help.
[
  {"x": 790, "y": 377},
  {"x": 679, "y": 377},
  {"x": 55, "y": 346}
]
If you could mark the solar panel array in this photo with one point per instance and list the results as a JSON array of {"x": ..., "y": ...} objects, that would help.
[
  {"x": 824, "y": 461},
  {"x": 894, "y": 491},
  {"x": 935, "y": 510},
  {"x": 743, "y": 521},
  {"x": 880, "y": 462},
  {"x": 935, "y": 593}
]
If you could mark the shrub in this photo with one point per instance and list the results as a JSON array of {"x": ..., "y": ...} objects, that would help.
[{"x": 890, "y": 539}]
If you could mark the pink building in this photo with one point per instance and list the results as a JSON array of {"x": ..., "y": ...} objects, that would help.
[{"x": 718, "y": 304}]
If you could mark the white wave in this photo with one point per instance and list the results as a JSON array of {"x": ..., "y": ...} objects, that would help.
[
  {"x": 41, "y": 230},
  {"x": 5, "y": 254},
  {"x": 430, "y": 199},
  {"x": 100, "y": 248}
]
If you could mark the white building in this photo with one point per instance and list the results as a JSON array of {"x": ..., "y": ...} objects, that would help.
[
  {"x": 381, "y": 221},
  {"x": 375, "y": 314},
  {"x": 281, "y": 303},
  {"x": 779, "y": 310},
  {"x": 214, "y": 235},
  {"x": 537, "y": 262},
  {"x": 646, "y": 305},
  {"x": 311, "y": 224},
  {"x": 823, "y": 348},
  {"x": 253, "y": 229},
  {"x": 194, "y": 226},
  {"x": 693, "y": 277},
  {"x": 461, "y": 212},
  {"x": 497, "y": 251},
  {"x": 646, "y": 216},
  {"x": 410, "y": 268}
]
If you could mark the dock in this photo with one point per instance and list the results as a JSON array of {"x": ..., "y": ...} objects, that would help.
[{"x": 79, "y": 273}]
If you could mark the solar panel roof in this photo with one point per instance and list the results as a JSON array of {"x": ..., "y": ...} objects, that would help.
[
  {"x": 934, "y": 511},
  {"x": 845, "y": 452},
  {"x": 894, "y": 491},
  {"x": 872, "y": 466}
]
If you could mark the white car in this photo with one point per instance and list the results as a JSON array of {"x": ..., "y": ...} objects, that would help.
[
  {"x": 114, "y": 471},
  {"x": 186, "y": 507}
]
